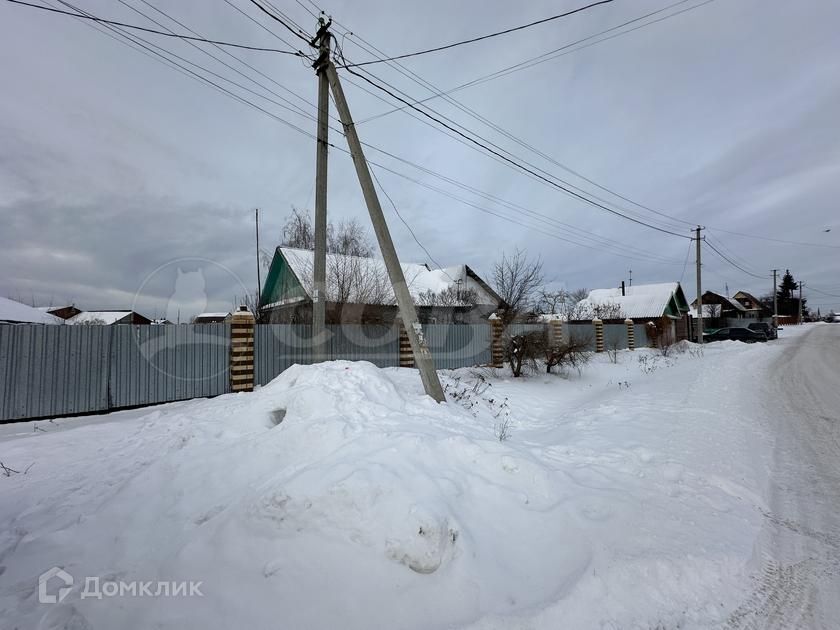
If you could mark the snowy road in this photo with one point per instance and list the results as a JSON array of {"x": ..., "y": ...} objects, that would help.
[{"x": 799, "y": 546}]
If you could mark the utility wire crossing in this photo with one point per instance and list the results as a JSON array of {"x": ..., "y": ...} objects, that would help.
[{"x": 488, "y": 36}]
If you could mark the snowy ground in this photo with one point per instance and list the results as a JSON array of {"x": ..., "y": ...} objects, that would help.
[{"x": 682, "y": 492}]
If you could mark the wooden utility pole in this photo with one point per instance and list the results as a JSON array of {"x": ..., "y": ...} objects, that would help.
[
  {"x": 319, "y": 293},
  {"x": 775, "y": 301},
  {"x": 699, "y": 293},
  {"x": 422, "y": 356}
]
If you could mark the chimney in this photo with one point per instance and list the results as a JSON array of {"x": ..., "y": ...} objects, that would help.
[{"x": 622, "y": 288}]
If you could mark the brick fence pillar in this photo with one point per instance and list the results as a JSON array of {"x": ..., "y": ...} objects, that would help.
[
  {"x": 242, "y": 351},
  {"x": 406, "y": 355},
  {"x": 555, "y": 332},
  {"x": 497, "y": 351},
  {"x": 631, "y": 334},
  {"x": 599, "y": 334}
]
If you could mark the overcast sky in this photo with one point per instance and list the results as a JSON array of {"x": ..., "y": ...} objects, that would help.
[{"x": 124, "y": 182}]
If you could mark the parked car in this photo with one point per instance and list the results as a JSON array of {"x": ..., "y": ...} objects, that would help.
[
  {"x": 764, "y": 327},
  {"x": 734, "y": 334}
]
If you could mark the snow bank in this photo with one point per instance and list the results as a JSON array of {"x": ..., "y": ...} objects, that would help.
[{"x": 340, "y": 496}]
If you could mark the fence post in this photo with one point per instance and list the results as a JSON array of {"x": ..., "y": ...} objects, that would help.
[
  {"x": 555, "y": 332},
  {"x": 406, "y": 355},
  {"x": 497, "y": 351},
  {"x": 631, "y": 334},
  {"x": 242, "y": 351},
  {"x": 599, "y": 334}
]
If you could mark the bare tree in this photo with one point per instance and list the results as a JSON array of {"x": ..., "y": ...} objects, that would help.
[
  {"x": 298, "y": 232},
  {"x": 517, "y": 279},
  {"x": 349, "y": 238},
  {"x": 551, "y": 302},
  {"x": 450, "y": 296}
]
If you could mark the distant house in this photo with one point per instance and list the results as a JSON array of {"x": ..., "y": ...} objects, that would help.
[
  {"x": 211, "y": 318},
  {"x": 359, "y": 291},
  {"x": 717, "y": 306},
  {"x": 12, "y": 312},
  {"x": 753, "y": 305},
  {"x": 62, "y": 312},
  {"x": 108, "y": 318},
  {"x": 642, "y": 303}
]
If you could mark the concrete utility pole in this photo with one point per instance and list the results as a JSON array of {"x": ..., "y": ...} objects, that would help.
[
  {"x": 257, "y": 227},
  {"x": 631, "y": 277},
  {"x": 422, "y": 356},
  {"x": 800, "y": 301},
  {"x": 775, "y": 301},
  {"x": 699, "y": 293},
  {"x": 319, "y": 296}
]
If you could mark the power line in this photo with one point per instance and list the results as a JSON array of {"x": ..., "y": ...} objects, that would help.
[
  {"x": 685, "y": 263},
  {"x": 474, "y": 114},
  {"x": 133, "y": 41},
  {"x": 295, "y": 108},
  {"x": 777, "y": 240},
  {"x": 731, "y": 262},
  {"x": 405, "y": 223},
  {"x": 552, "y": 53},
  {"x": 299, "y": 34},
  {"x": 88, "y": 16},
  {"x": 512, "y": 161},
  {"x": 811, "y": 288},
  {"x": 488, "y": 36}
]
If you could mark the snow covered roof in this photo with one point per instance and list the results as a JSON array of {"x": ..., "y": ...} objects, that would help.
[
  {"x": 98, "y": 317},
  {"x": 419, "y": 277},
  {"x": 639, "y": 301},
  {"x": 212, "y": 315},
  {"x": 17, "y": 313}
]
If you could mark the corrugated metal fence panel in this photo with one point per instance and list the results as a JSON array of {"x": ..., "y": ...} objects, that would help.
[
  {"x": 520, "y": 329},
  {"x": 640, "y": 332},
  {"x": 615, "y": 336},
  {"x": 278, "y": 346},
  {"x": 582, "y": 332},
  {"x": 378, "y": 344},
  {"x": 461, "y": 345},
  {"x": 153, "y": 364},
  {"x": 53, "y": 370}
]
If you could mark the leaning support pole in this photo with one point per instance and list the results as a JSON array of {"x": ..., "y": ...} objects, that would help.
[{"x": 422, "y": 356}]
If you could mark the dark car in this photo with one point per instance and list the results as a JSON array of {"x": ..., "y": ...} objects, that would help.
[
  {"x": 719, "y": 334},
  {"x": 734, "y": 334},
  {"x": 768, "y": 329},
  {"x": 746, "y": 335}
]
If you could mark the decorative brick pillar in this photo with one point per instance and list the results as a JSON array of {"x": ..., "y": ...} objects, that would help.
[
  {"x": 497, "y": 351},
  {"x": 406, "y": 355},
  {"x": 242, "y": 351},
  {"x": 631, "y": 334},
  {"x": 599, "y": 334},
  {"x": 555, "y": 332}
]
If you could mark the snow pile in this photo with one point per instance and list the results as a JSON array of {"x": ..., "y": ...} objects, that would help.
[{"x": 340, "y": 496}]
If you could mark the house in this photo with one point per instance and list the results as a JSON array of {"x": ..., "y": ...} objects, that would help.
[
  {"x": 720, "y": 307},
  {"x": 210, "y": 318},
  {"x": 359, "y": 291},
  {"x": 661, "y": 303},
  {"x": 63, "y": 312},
  {"x": 753, "y": 305},
  {"x": 108, "y": 318},
  {"x": 12, "y": 312}
]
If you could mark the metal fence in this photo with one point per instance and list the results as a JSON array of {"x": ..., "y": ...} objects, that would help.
[
  {"x": 64, "y": 370},
  {"x": 48, "y": 371},
  {"x": 278, "y": 346}
]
